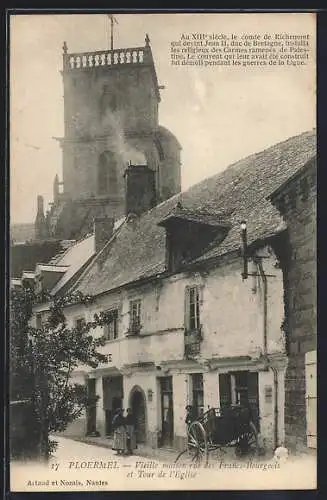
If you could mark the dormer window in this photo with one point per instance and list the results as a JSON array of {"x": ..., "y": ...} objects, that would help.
[{"x": 189, "y": 234}]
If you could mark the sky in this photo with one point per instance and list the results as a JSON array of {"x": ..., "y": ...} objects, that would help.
[{"x": 219, "y": 114}]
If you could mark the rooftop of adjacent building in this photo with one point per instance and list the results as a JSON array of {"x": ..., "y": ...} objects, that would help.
[{"x": 71, "y": 258}]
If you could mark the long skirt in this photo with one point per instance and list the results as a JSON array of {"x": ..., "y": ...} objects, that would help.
[
  {"x": 120, "y": 439},
  {"x": 131, "y": 437}
]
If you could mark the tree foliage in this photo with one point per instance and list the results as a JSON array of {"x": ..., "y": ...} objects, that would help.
[{"x": 48, "y": 355}]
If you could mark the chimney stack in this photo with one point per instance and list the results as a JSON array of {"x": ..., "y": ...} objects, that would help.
[
  {"x": 103, "y": 230},
  {"x": 140, "y": 190}
]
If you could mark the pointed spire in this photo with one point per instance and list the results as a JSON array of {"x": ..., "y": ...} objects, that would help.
[
  {"x": 40, "y": 223},
  {"x": 56, "y": 188},
  {"x": 147, "y": 40},
  {"x": 65, "y": 48}
]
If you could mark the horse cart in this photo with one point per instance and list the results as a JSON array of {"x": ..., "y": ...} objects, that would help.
[{"x": 217, "y": 429}]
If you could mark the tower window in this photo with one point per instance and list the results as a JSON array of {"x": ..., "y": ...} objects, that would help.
[
  {"x": 107, "y": 173},
  {"x": 160, "y": 150},
  {"x": 108, "y": 101}
]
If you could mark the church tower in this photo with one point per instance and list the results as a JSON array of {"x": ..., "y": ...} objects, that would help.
[{"x": 111, "y": 102}]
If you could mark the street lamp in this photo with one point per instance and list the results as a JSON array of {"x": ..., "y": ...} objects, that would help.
[{"x": 244, "y": 249}]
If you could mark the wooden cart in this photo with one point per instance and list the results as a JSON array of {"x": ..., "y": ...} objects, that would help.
[{"x": 218, "y": 428}]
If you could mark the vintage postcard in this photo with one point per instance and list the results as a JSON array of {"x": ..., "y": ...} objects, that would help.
[{"x": 163, "y": 251}]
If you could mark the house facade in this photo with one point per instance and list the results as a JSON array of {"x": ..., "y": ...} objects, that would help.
[{"x": 195, "y": 338}]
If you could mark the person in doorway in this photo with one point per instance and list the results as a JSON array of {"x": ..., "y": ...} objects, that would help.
[
  {"x": 130, "y": 428},
  {"x": 120, "y": 435},
  {"x": 190, "y": 416}
]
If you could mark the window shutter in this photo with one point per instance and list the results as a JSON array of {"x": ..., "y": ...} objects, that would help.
[
  {"x": 187, "y": 308},
  {"x": 253, "y": 396}
]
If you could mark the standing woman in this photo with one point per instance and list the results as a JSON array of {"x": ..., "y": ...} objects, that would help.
[
  {"x": 130, "y": 428},
  {"x": 120, "y": 436}
]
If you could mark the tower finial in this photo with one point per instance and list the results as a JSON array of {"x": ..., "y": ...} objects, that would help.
[
  {"x": 147, "y": 40},
  {"x": 65, "y": 48}
]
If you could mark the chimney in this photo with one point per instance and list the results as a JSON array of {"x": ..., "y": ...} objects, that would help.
[
  {"x": 40, "y": 205},
  {"x": 140, "y": 191},
  {"x": 103, "y": 230}
]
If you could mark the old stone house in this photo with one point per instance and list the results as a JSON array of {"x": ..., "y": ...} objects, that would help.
[
  {"x": 296, "y": 201},
  {"x": 185, "y": 327}
]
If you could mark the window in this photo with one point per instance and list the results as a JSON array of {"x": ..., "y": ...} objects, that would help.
[
  {"x": 108, "y": 101},
  {"x": 197, "y": 392},
  {"x": 79, "y": 322},
  {"x": 135, "y": 316},
  {"x": 110, "y": 329},
  {"x": 107, "y": 173},
  {"x": 192, "y": 308}
]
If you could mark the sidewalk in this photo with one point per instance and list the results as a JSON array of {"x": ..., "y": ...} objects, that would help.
[{"x": 162, "y": 454}]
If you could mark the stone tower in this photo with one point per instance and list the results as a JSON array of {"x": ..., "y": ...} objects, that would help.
[{"x": 111, "y": 101}]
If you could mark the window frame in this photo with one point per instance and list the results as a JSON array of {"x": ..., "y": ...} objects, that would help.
[
  {"x": 197, "y": 390},
  {"x": 106, "y": 333},
  {"x": 135, "y": 326},
  {"x": 192, "y": 308}
]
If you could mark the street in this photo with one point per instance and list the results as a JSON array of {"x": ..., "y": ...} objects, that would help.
[{"x": 76, "y": 454}]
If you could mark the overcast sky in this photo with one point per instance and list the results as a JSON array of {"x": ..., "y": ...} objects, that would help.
[{"x": 219, "y": 114}]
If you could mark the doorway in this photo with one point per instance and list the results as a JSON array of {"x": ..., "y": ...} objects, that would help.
[
  {"x": 138, "y": 406},
  {"x": 167, "y": 412},
  {"x": 92, "y": 408},
  {"x": 112, "y": 399},
  {"x": 240, "y": 388}
]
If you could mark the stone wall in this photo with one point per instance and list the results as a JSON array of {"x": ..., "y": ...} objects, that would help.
[{"x": 297, "y": 203}]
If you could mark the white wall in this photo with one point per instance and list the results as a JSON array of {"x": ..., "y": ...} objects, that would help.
[{"x": 231, "y": 314}]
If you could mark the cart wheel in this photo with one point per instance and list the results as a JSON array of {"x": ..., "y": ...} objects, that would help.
[
  {"x": 184, "y": 457},
  {"x": 248, "y": 442},
  {"x": 197, "y": 443}
]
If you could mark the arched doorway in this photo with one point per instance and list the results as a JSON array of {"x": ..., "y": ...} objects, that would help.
[{"x": 138, "y": 405}]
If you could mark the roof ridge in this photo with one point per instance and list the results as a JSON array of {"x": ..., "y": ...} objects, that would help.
[
  {"x": 179, "y": 196},
  {"x": 252, "y": 155}
]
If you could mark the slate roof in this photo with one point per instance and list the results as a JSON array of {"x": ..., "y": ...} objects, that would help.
[{"x": 238, "y": 193}]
